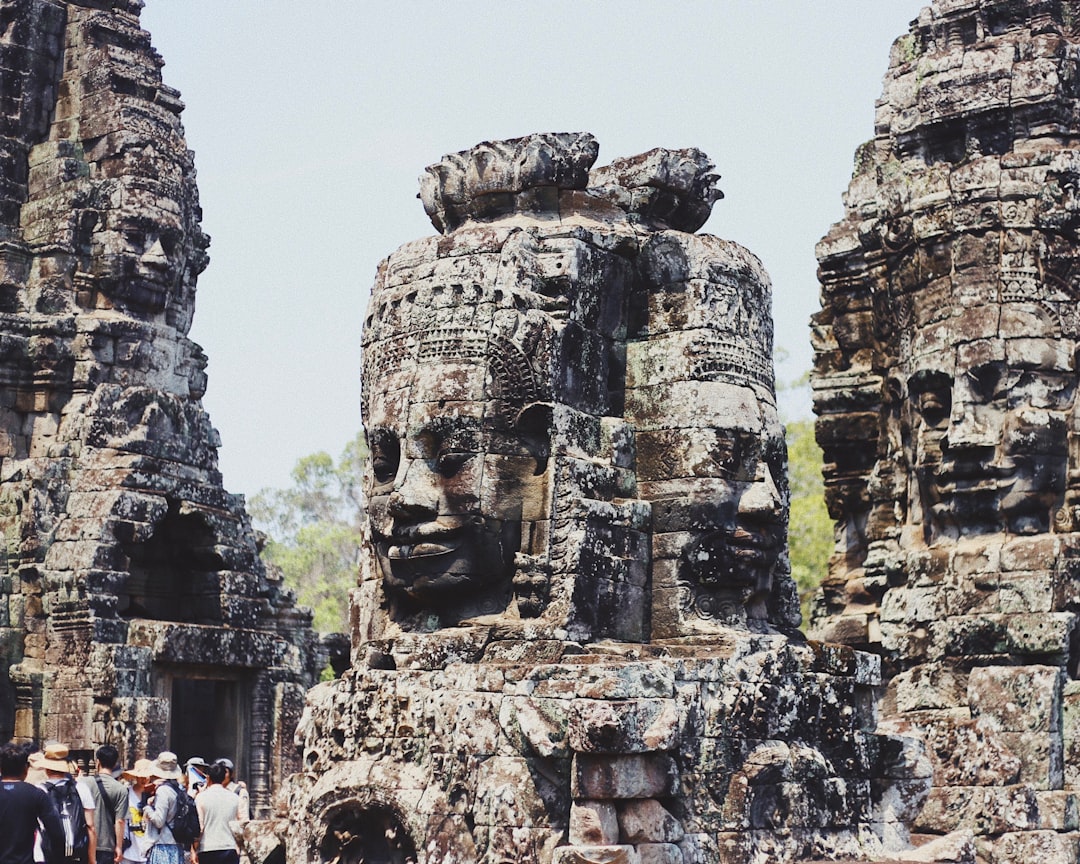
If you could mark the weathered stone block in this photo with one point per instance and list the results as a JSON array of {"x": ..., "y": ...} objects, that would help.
[
  {"x": 639, "y": 776},
  {"x": 660, "y": 853},
  {"x": 1017, "y": 698},
  {"x": 631, "y": 726},
  {"x": 596, "y": 855},
  {"x": 593, "y": 823},
  {"x": 985, "y": 809},
  {"x": 1058, "y": 810},
  {"x": 647, "y": 821},
  {"x": 1046, "y": 847}
]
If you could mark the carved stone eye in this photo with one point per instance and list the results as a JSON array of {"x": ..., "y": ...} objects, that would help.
[
  {"x": 450, "y": 463},
  {"x": 986, "y": 381},
  {"x": 935, "y": 406},
  {"x": 385, "y": 455}
]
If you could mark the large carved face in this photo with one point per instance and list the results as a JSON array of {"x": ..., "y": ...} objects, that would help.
[
  {"x": 739, "y": 517},
  {"x": 447, "y": 483},
  {"x": 989, "y": 433},
  {"x": 141, "y": 257}
]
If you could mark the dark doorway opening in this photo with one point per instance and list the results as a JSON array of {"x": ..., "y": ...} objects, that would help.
[
  {"x": 207, "y": 718},
  {"x": 371, "y": 835}
]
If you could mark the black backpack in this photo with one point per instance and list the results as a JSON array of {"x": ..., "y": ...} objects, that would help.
[
  {"x": 185, "y": 825},
  {"x": 64, "y": 795}
]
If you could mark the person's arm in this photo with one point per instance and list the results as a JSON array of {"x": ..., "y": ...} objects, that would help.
[
  {"x": 91, "y": 829},
  {"x": 200, "y": 808},
  {"x": 157, "y": 809},
  {"x": 121, "y": 828},
  {"x": 245, "y": 803},
  {"x": 50, "y": 822}
]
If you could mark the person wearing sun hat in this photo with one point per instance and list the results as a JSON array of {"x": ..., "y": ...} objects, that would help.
[
  {"x": 58, "y": 767},
  {"x": 161, "y": 810},
  {"x": 141, "y": 778}
]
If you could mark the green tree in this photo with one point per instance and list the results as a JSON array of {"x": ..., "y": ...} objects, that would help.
[
  {"x": 810, "y": 530},
  {"x": 313, "y": 531}
]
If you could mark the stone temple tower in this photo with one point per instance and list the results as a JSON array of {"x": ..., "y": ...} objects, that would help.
[
  {"x": 132, "y": 599},
  {"x": 945, "y": 381},
  {"x": 575, "y": 631}
]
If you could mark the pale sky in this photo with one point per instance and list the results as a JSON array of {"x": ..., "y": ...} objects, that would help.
[{"x": 312, "y": 119}]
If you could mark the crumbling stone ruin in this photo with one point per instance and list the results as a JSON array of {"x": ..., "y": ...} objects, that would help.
[
  {"x": 945, "y": 381},
  {"x": 575, "y": 631},
  {"x": 133, "y": 604}
]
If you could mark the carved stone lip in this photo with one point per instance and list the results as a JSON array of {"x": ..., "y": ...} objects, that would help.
[
  {"x": 990, "y": 478},
  {"x": 755, "y": 546},
  {"x": 763, "y": 539},
  {"x": 420, "y": 550},
  {"x": 428, "y": 540}
]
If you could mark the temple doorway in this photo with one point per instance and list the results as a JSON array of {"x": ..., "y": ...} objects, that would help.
[{"x": 207, "y": 716}]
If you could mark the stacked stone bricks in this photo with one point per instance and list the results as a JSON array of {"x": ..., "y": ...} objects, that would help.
[
  {"x": 945, "y": 383},
  {"x": 123, "y": 562}
]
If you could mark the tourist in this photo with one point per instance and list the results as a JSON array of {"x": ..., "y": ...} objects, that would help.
[
  {"x": 110, "y": 804},
  {"x": 161, "y": 810},
  {"x": 236, "y": 786},
  {"x": 218, "y": 807},
  {"x": 22, "y": 807},
  {"x": 74, "y": 804},
  {"x": 195, "y": 769},
  {"x": 135, "y": 843}
]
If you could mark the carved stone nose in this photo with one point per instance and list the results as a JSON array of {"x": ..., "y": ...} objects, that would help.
[
  {"x": 155, "y": 257},
  {"x": 966, "y": 430},
  {"x": 762, "y": 497},
  {"x": 415, "y": 494}
]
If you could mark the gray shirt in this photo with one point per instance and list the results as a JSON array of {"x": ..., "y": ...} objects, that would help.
[{"x": 105, "y": 816}]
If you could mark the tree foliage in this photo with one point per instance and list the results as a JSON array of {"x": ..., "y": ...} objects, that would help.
[
  {"x": 810, "y": 531},
  {"x": 313, "y": 531}
]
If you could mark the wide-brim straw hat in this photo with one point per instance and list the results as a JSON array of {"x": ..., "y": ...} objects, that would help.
[
  {"x": 55, "y": 758},
  {"x": 143, "y": 769},
  {"x": 167, "y": 766}
]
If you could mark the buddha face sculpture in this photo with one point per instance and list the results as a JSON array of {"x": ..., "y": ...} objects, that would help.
[
  {"x": 989, "y": 431},
  {"x": 450, "y": 475},
  {"x": 738, "y": 518},
  {"x": 144, "y": 246}
]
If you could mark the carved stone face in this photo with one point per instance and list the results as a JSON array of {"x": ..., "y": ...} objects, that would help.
[
  {"x": 446, "y": 489},
  {"x": 141, "y": 258},
  {"x": 989, "y": 434},
  {"x": 739, "y": 518}
]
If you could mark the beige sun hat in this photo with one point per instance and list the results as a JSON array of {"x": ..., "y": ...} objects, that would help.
[
  {"x": 54, "y": 757},
  {"x": 143, "y": 769},
  {"x": 167, "y": 767}
]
